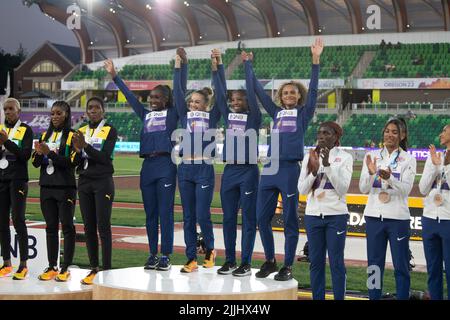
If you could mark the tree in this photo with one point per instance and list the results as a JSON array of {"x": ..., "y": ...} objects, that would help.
[{"x": 7, "y": 64}]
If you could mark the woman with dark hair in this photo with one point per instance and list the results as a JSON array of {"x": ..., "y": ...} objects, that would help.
[
  {"x": 94, "y": 147},
  {"x": 158, "y": 173},
  {"x": 325, "y": 177},
  {"x": 388, "y": 177},
  {"x": 16, "y": 145},
  {"x": 291, "y": 120},
  {"x": 434, "y": 185},
  {"x": 241, "y": 174},
  {"x": 58, "y": 189},
  {"x": 196, "y": 172}
]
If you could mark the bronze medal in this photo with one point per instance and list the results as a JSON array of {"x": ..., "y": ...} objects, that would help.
[
  {"x": 320, "y": 194},
  {"x": 438, "y": 199},
  {"x": 384, "y": 197}
]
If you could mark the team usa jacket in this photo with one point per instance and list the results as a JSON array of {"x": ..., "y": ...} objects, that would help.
[
  {"x": 435, "y": 180},
  {"x": 398, "y": 186},
  {"x": 330, "y": 184}
]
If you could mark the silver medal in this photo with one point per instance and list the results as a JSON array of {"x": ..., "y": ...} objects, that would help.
[
  {"x": 50, "y": 168},
  {"x": 3, "y": 163},
  {"x": 86, "y": 164}
]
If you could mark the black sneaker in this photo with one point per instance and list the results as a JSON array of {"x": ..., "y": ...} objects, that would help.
[
  {"x": 227, "y": 268},
  {"x": 152, "y": 262},
  {"x": 267, "y": 268},
  {"x": 243, "y": 270},
  {"x": 284, "y": 274},
  {"x": 164, "y": 264}
]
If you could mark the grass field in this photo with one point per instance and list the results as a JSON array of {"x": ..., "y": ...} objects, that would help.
[{"x": 130, "y": 165}]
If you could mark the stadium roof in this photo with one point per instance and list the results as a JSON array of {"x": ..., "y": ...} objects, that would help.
[{"x": 117, "y": 28}]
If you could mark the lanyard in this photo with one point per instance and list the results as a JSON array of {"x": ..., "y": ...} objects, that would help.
[
  {"x": 441, "y": 177},
  {"x": 13, "y": 131},
  {"x": 392, "y": 165}
]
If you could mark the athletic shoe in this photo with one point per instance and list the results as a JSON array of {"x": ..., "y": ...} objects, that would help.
[
  {"x": 152, "y": 262},
  {"x": 164, "y": 264},
  {"x": 49, "y": 274},
  {"x": 5, "y": 271},
  {"x": 227, "y": 268},
  {"x": 243, "y": 270},
  {"x": 284, "y": 274},
  {"x": 89, "y": 279},
  {"x": 190, "y": 266},
  {"x": 267, "y": 268},
  {"x": 210, "y": 258},
  {"x": 63, "y": 275},
  {"x": 21, "y": 273}
]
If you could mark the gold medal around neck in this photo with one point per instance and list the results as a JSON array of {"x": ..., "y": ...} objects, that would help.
[
  {"x": 438, "y": 199},
  {"x": 384, "y": 197}
]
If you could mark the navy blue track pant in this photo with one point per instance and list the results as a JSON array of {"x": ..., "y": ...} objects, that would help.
[{"x": 239, "y": 189}]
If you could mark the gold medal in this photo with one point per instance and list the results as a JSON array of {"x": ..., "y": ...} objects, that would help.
[
  {"x": 384, "y": 197},
  {"x": 438, "y": 199}
]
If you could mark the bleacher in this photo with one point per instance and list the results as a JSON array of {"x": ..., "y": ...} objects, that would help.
[
  {"x": 311, "y": 132},
  {"x": 128, "y": 125},
  {"x": 433, "y": 60},
  {"x": 422, "y": 131},
  {"x": 295, "y": 62}
]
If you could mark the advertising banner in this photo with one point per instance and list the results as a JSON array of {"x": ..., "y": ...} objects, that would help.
[{"x": 404, "y": 83}]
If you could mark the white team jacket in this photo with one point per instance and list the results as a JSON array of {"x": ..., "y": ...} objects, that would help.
[
  {"x": 428, "y": 187},
  {"x": 333, "y": 180},
  {"x": 398, "y": 186}
]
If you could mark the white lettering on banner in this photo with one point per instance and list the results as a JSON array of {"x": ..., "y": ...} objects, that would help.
[
  {"x": 416, "y": 223},
  {"x": 37, "y": 249},
  {"x": 356, "y": 219},
  {"x": 403, "y": 83}
]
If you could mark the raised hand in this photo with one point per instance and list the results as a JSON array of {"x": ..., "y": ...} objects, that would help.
[
  {"x": 435, "y": 156},
  {"x": 215, "y": 53},
  {"x": 313, "y": 162},
  {"x": 316, "y": 50},
  {"x": 371, "y": 165},
  {"x": 178, "y": 61},
  {"x": 37, "y": 148},
  {"x": 109, "y": 67},
  {"x": 182, "y": 53},
  {"x": 244, "y": 56}
]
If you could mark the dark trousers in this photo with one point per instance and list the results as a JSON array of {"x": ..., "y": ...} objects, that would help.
[
  {"x": 58, "y": 205},
  {"x": 96, "y": 199},
  {"x": 13, "y": 196},
  {"x": 436, "y": 244}
]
